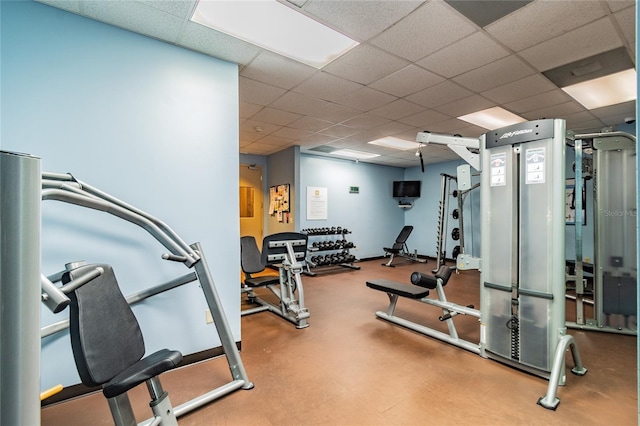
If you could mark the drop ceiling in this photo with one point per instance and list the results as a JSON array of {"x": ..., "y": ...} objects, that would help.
[{"x": 419, "y": 65}]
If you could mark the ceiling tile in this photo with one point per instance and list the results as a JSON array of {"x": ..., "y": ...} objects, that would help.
[
  {"x": 440, "y": 94},
  {"x": 135, "y": 16},
  {"x": 258, "y": 93},
  {"x": 360, "y": 19},
  {"x": 626, "y": 20},
  {"x": 502, "y": 71},
  {"x": 260, "y": 128},
  {"x": 538, "y": 102},
  {"x": 277, "y": 70},
  {"x": 202, "y": 39},
  {"x": 431, "y": 27},
  {"x": 339, "y": 131},
  {"x": 336, "y": 113},
  {"x": 397, "y": 109},
  {"x": 425, "y": 119},
  {"x": 487, "y": 11},
  {"x": 464, "y": 106},
  {"x": 300, "y": 104},
  {"x": 182, "y": 9},
  {"x": 291, "y": 134},
  {"x": 311, "y": 124},
  {"x": 323, "y": 85},
  {"x": 543, "y": 20},
  {"x": 365, "y": 99},
  {"x": 598, "y": 37},
  {"x": 616, "y": 5},
  {"x": 520, "y": 89},
  {"x": 365, "y": 121},
  {"x": 407, "y": 80},
  {"x": 365, "y": 64},
  {"x": 554, "y": 111},
  {"x": 247, "y": 109},
  {"x": 615, "y": 114},
  {"x": 464, "y": 55},
  {"x": 276, "y": 116}
]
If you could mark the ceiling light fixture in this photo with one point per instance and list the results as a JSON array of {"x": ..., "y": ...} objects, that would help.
[
  {"x": 395, "y": 143},
  {"x": 604, "y": 91},
  {"x": 492, "y": 118},
  {"x": 351, "y": 153},
  {"x": 276, "y": 27}
]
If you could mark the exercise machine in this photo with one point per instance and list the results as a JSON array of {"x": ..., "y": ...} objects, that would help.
[
  {"x": 286, "y": 251},
  {"x": 522, "y": 291},
  {"x": 463, "y": 260},
  {"x": 66, "y": 188},
  {"x": 400, "y": 248},
  {"x": 419, "y": 290},
  {"x": 610, "y": 292}
]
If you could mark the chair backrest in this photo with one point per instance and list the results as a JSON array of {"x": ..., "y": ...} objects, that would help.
[
  {"x": 250, "y": 256},
  {"x": 105, "y": 335},
  {"x": 274, "y": 250},
  {"x": 404, "y": 234}
]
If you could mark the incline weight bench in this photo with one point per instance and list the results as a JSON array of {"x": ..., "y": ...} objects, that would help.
[
  {"x": 287, "y": 251},
  {"x": 399, "y": 248}
]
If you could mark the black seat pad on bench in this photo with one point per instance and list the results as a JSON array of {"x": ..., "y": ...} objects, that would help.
[{"x": 404, "y": 290}]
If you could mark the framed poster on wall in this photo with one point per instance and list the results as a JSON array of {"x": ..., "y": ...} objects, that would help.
[{"x": 316, "y": 203}]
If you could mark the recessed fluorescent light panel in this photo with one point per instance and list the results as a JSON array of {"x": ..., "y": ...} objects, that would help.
[
  {"x": 275, "y": 27},
  {"x": 396, "y": 143},
  {"x": 492, "y": 118},
  {"x": 604, "y": 91},
  {"x": 351, "y": 153}
]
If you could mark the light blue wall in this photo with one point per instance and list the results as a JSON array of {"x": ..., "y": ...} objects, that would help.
[
  {"x": 372, "y": 215},
  {"x": 424, "y": 214},
  {"x": 147, "y": 122}
]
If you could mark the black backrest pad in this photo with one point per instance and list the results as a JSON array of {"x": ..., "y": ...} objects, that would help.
[
  {"x": 404, "y": 234},
  {"x": 250, "y": 255},
  {"x": 105, "y": 335},
  {"x": 278, "y": 252}
]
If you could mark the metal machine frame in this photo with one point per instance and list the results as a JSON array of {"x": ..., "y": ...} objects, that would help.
[
  {"x": 523, "y": 249},
  {"x": 614, "y": 291},
  {"x": 66, "y": 188}
]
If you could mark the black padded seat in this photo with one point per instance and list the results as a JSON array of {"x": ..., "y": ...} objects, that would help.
[
  {"x": 251, "y": 263},
  {"x": 401, "y": 240},
  {"x": 107, "y": 343},
  {"x": 404, "y": 290}
]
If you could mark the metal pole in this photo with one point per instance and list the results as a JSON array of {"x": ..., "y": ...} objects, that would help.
[{"x": 19, "y": 289}]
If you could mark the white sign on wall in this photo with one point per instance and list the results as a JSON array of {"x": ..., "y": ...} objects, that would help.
[{"x": 316, "y": 203}]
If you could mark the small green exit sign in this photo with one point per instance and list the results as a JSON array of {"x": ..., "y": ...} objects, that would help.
[{"x": 354, "y": 190}]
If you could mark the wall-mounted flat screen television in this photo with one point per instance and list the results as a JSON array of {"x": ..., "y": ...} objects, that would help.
[{"x": 406, "y": 188}]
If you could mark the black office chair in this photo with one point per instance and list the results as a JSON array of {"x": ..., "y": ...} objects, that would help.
[
  {"x": 251, "y": 263},
  {"x": 108, "y": 346},
  {"x": 399, "y": 248}
]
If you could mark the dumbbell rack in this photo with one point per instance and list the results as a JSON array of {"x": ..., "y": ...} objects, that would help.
[{"x": 329, "y": 250}]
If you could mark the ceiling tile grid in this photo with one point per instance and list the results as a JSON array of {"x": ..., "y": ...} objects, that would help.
[{"x": 419, "y": 65}]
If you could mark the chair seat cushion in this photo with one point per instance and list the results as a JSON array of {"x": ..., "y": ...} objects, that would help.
[
  {"x": 262, "y": 280},
  {"x": 141, "y": 371}
]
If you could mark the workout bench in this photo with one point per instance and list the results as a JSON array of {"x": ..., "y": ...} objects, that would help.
[
  {"x": 419, "y": 290},
  {"x": 399, "y": 248}
]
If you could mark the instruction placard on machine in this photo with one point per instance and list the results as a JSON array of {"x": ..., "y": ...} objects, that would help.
[
  {"x": 535, "y": 165},
  {"x": 498, "y": 169}
]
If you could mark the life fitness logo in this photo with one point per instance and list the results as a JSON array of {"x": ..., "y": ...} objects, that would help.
[{"x": 515, "y": 133}]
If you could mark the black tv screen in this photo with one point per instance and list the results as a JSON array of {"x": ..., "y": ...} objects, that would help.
[{"x": 406, "y": 188}]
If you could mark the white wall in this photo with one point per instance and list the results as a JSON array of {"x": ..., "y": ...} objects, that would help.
[{"x": 147, "y": 122}]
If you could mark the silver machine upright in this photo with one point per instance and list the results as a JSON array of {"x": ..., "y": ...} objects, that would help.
[
  {"x": 522, "y": 279},
  {"x": 523, "y": 249}
]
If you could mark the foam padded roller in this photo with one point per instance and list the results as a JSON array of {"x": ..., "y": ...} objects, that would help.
[
  {"x": 444, "y": 272},
  {"x": 427, "y": 281}
]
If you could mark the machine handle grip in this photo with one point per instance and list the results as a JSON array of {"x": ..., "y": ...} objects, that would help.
[{"x": 174, "y": 258}]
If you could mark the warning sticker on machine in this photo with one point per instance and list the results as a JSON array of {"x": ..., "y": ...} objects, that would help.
[
  {"x": 535, "y": 165},
  {"x": 498, "y": 169}
]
